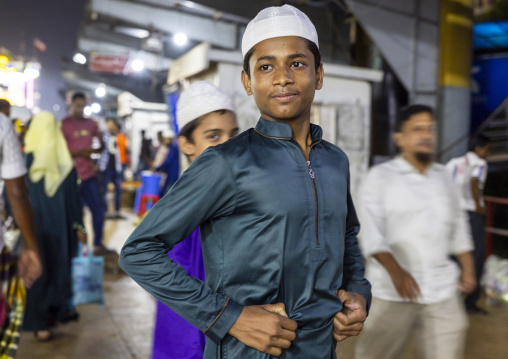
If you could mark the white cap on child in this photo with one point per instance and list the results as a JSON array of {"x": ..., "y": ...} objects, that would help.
[
  {"x": 168, "y": 133},
  {"x": 277, "y": 22},
  {"x": 200, "y": 98}
]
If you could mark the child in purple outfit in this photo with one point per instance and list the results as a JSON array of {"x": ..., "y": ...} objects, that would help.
[{"x": 205, "y": 117}]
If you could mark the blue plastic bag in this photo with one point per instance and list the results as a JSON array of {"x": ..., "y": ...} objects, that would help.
[{"x": 87, "y": 274}]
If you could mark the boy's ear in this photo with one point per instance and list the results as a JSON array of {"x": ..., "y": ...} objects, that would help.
[
  {"x": 319, "y": 77},
  {"x": 186, "y": 146},
  {"x": 246, "y": 83}
]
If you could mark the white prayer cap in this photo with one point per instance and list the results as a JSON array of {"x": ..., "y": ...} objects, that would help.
[
  {"x": 277, "y": 22},
  {"x": 168, "y": 134},
  {"x": 198, "y": 99}
]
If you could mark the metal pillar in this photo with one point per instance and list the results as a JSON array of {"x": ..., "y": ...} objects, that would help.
[{"x": 454, "y": 77}]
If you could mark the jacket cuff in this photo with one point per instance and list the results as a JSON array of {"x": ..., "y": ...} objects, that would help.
[
  {"x": 363, "y": 290},
  {"x": 220, "y": 326}
]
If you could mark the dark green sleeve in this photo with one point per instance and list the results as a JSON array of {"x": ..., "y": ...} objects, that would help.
[
  {"x": 206, "y": 190},
  {"x": 354, "y": 270}
]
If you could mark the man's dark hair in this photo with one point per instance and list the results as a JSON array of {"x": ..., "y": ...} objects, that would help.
[
  {"x": 310, "y": 45},
  {"x": 77, "y": 95},
  {"x": 478, "y": 141},
  {"x": 406, "y": 112},
  {"x": 4, "y": 104},
  {"x": 188, "y": 130}
]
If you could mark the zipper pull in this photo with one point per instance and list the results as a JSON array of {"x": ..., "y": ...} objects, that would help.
[{"x": 311, "y": 172}]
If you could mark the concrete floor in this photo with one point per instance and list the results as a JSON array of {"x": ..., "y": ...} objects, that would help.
[{"x": 123, "y": 328}]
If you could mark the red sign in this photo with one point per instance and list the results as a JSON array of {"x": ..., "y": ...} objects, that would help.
[{"x": 108, "y": 64}]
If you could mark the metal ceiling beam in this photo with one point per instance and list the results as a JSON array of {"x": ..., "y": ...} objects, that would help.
[
  {"x": 198, "y": 28},
  {"x": 101, "y": 33},
  {"x": 198, "y": 9}
]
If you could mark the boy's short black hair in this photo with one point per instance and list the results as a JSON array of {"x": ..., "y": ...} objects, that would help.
[
  {"x": 310, "y": 45},
  {"x": 406, "y": 112},
  {"x": 4, "y": 104},
  {"x": 77, "y": 95},
  {"x": 478, "y": 141},
  {"x": 188, "y": 130}
]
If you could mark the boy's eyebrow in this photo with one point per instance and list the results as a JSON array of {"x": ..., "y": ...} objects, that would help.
[
  {"x": 295, "y": 56},
  {"x": 267, "y": 57},
  {"x": 290, "y": 57}
]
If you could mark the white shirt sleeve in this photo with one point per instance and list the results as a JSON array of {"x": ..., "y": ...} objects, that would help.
[
  {"x": 479, "y": 170},
  {"x": 372, "y": 215},
  {"x": 12, "y": 164},
  {"x": 461, "y": 237}
]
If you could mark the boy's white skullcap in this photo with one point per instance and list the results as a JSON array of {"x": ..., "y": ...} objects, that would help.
[
  {"x": 198, "y": 99},
  {"x": 277, "y": 22},
  {"x": 168, "y": 134}
]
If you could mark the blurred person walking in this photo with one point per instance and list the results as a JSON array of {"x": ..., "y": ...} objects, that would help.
[
  {"x": 469, "y": 173},
  {"x": 54, "y": 193},
  {"x": 15, "y": 275},
  {"x": 203, "y": 127},
  {"x": 110, "y": 165},
  {"x": 145, "y": 154},
  {"x": 164, "y": 148},
  {"x": 79, "y": 133},
  {"x": 123, "y": 150},
  {"x": 170, "y": 164},
  {"x": 412, "y": 222},
  {"x": 278, "y": 226}
]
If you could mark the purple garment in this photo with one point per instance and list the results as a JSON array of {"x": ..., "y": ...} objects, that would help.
[{"x": 174, "y": 337}]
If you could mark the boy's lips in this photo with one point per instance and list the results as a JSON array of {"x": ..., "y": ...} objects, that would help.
[{"x": 284, "y": 96}]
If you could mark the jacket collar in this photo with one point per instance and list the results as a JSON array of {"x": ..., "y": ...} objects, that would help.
[{"x": 282, "y": 131}]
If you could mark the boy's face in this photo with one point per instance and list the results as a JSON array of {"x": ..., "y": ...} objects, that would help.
[
  {"x": 283, "y": 78},
  {"x": 213, "y": 130},
  {"x": 112, "y": 127},
  {"x": 483, "y": 152}
]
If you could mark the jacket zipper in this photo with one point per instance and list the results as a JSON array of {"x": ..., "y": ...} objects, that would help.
[{"x": 312, "y": 175}]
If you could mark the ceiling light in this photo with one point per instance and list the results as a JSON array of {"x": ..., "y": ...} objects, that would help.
[
  {"x": 87, "y": 111},
  {"x": 79, "y": 58},
  {"x": 137, "y": 65},
  {"x": 96, "y": 108},
  {"x": 180, "y": 39},
  {"x": 100, "y": 91}
]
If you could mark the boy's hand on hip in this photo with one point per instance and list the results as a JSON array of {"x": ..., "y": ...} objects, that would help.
[
  {"x": 349, "y": 321},
  {"x": 266, "y": 328}
]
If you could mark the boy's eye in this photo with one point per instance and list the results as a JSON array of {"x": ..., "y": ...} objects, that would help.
[
  {"x": 297, "y": 64},
  {"x": 265, "y": 67}
]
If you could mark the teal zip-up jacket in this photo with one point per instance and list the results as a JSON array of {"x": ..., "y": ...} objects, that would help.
[{"x": 270, "y": 233}]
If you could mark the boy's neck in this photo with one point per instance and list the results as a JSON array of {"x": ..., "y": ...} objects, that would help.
[{"x": 300, "y": 129}]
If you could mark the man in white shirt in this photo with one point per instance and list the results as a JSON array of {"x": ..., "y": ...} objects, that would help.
[
  {"x": 411, "y": 223},
  {"x": 469, "y": 173}
]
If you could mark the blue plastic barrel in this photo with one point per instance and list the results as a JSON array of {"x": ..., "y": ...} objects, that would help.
[{"x": 150, "y": 182}]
